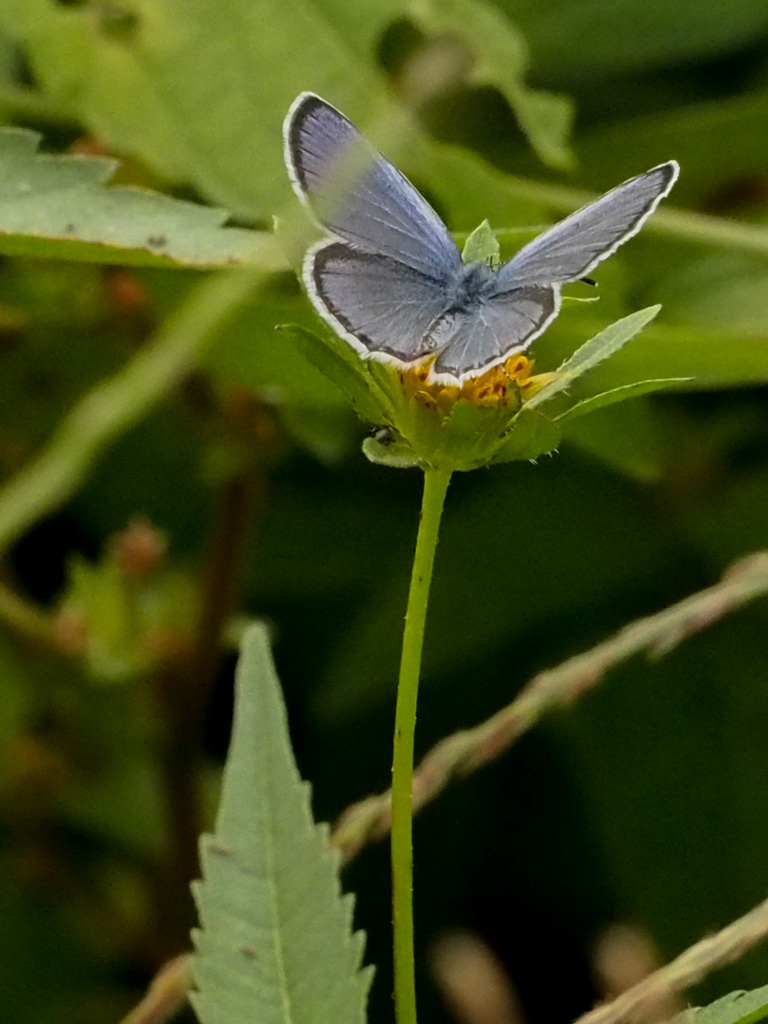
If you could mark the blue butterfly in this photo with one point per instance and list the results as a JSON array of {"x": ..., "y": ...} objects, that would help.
[{"x": 390, "y": 279}]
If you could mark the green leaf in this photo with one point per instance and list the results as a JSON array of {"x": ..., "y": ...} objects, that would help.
[
  {"x": 271, "y": 362},
  {"x": 700, "y": 228},
  {"x": 276, "y": 941},
  {"x": 481, "y": 246},
  {"x": 532, "y": 435},
  {"x": 387, "y": 451},
  {"x": 468, "y": 189},
  {"x": 586, "y": 41},
  {"x": 59, "y": 207},
  {"x": 723, "y": 290},
  {"x": 710, "y": 359},
  {"x": 620, "y": 394},
  {"x": 338, "y": 362},
  {"x": 607, "y": 342},
  {"x": 594, "y": 351},
  {"x": 199, "y": 90},
  {"x": 501, "y": 59},
  {"x": 735, "y": 1008}
]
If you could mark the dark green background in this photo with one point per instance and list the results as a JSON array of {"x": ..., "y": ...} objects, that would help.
[{"x": 645, "y": 803}]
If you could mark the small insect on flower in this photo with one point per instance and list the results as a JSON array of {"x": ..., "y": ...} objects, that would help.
[{"x": 390, "y": 279}]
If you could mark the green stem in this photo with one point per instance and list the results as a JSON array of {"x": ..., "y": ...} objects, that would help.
[{"x": 435, "y": 486}]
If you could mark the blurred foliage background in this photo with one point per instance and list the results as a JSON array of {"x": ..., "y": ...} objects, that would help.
[{"x": 238, "y": 488}]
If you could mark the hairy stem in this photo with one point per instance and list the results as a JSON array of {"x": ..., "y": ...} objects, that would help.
[{"x": 435, "y": 486}]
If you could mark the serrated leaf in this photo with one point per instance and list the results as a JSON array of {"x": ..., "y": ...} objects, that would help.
[
  {"x": 61, "y": 207},
  {"x": 620, "y": 394},
  {"x": 199, "y": 90},
  {"x": 735, "y": 1008},
  {"x": 594, "y": 351},
  {"x": 276, "y": 943}
]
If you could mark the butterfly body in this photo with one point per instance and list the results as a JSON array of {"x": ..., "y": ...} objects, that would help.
[
  {"x": 390, "y": 279},
  {"x": 472, "y": 285}
]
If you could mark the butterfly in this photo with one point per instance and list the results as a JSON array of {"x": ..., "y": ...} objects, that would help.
[{"x": 390, "y": 279}]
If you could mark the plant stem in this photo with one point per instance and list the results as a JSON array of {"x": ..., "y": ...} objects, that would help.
[
  {"x": 435, "y": 486},
  {"x": 30, "y": 622}
]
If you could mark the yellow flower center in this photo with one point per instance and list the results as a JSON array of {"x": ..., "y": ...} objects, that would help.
[{"x": 510, "y": 381}]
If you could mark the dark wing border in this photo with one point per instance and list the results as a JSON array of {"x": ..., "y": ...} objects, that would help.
[{"x": 324, "y": 249}]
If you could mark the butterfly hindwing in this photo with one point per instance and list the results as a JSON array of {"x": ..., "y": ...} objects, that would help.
[
  {"x": 379, "y": 305},
  {"x": 471, "y": 341}
]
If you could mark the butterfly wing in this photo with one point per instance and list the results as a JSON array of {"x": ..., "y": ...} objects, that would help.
[
  {"x": 380, "y": 306},
  {"x": 570, "y": 249},
  {"x": 487, "y": 334},
  {"x": 359, "y": 195}
]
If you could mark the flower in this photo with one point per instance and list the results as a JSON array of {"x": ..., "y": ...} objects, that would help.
[
  {"x": 509, "y": 384},
  {"x": 449, "y": 426},
  {"x": 493, "y": 417}
]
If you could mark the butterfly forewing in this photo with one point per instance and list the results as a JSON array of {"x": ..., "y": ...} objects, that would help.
[
  {"x": 570, "y": 249},
  {"x": 380, "y": 306},
  {"x": 359, "y": 195}
]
